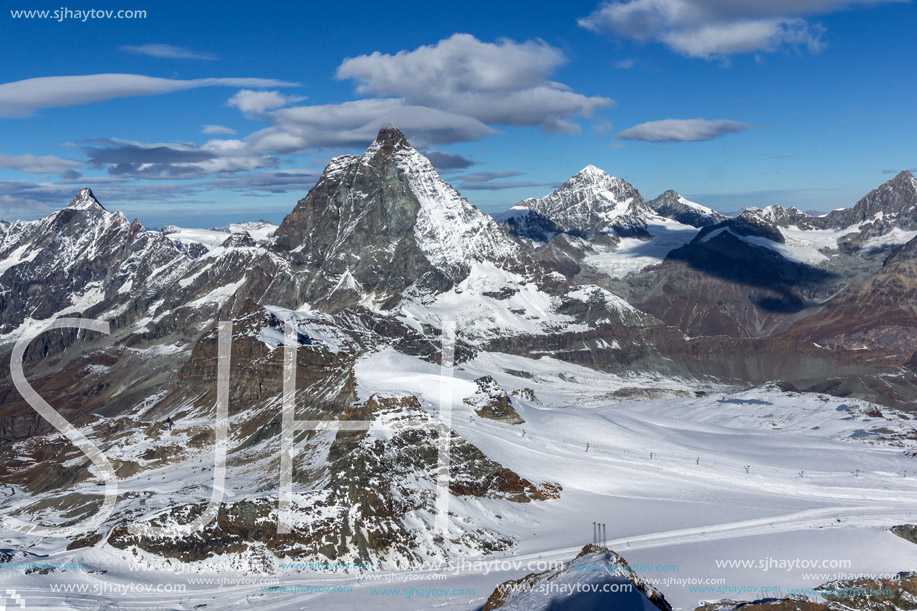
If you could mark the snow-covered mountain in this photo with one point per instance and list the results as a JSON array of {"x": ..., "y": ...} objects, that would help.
[
  {"x": 376, "y": 224},
  {"x": 78, "y": 260},
  {"x": 588, "y": 323},
  {"x": 673, "y": 206},
  {"x": 597, "y": 223},
  {"x": 769, "y": 269},
  {"x": 592, "y": 202},
  {"x": 195, "y": 242}
]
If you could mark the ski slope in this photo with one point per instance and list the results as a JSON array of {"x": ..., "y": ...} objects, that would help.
[{"x": 686, "y": 481}]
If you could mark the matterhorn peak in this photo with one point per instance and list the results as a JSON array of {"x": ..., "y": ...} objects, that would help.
[
  {"x": 389, "y": 140},
  {"x": 85, "y": 200}
]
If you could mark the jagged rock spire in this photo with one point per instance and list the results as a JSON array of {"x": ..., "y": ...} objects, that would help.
[
  {"x": 389, "y": 140},
  {"x": 85, "y": 200}
]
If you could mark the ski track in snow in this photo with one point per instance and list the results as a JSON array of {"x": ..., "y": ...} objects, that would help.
[{"x": 653, "y": 506}]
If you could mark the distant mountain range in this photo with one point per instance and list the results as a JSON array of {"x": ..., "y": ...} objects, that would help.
[{"x": 372, "y": 263}]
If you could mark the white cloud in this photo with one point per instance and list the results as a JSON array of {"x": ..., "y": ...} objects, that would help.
[
  {"x": 174, "y": 161},
  {"x": 710, "y": 28},
  {"x": 446, "y": 161},
  {"x": 502, "y": 83},
  {"x": 218, "y": 129},
  {"x": 256, "y": 102},
  {"x": 28, "y": 200},
  {"x": 682, "y": 130},
  {"x": 495, "y": 181},
  {"x": 21, "y": 98},
  {"x": 164, "y": 51},
  {"x": 275, "y": 181},
  {"x": 356, "y": 123},
  {"x": 453, "y": 66},
  {"x": 47, "y": 164}
]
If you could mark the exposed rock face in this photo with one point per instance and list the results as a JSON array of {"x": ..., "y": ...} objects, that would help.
[
  {"x": 564, "y": 255},
  {"x": 906, "y": 531},
  {"x": 643, "y": 394},
  {"x": 492, "y": 402},
  {"x": 360, "y": 497},
  {"x": 673, "y": 206},
  {"x": 895, "y": 201},
  {"x": 892, "y": 205},
  {"x": 379, "y": 223},
  {"x": 593, "y": 202},
  {"x": 720, "y": 284},
  {"x": 595, "y": 306},
  {"x": 879, "y": 313},
  {"x": 894, "y": 594},
  {"x": 529, "y": 225},
  {"x": 870, "y": 375}
]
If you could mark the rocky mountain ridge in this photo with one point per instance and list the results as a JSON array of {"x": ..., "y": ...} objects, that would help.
[{"x": 377, "y": 261}]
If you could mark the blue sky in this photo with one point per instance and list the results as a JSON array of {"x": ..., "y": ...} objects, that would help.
[{"x": 730, "y": 102}]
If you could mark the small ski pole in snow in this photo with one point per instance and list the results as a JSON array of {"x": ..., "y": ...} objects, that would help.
[{"x": 587, "y": 447}]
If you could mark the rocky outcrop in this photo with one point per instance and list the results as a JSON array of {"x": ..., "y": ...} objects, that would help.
[
  {"x": 358, "y": 503},
  {"x": 906, "y": 531},
  {"x": 492, "y": 402}
]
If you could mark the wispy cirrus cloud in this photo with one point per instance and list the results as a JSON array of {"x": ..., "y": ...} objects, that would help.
[
  {"x": 447, "y": 160},
  {"x": 683, "y": 130},
  {"x": 217, "y": 130},
  {"x": 174, "y": 161},
  {"x": 496, "y": 181},
  {"x": 32, "y": 164},
  {"x": 28, "y": 200},
  {"x": 712, "y": 28},
  {"x": 892, "y": 171},
  {"x": 165, "y": 51},
  {"x": 270, "y": 181},
  {"x": 22, "y": 98},
  {"x": 255, "y": 102},
  {"x": 355, "y": 124},
  {"x": 456, "y": 90}
]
